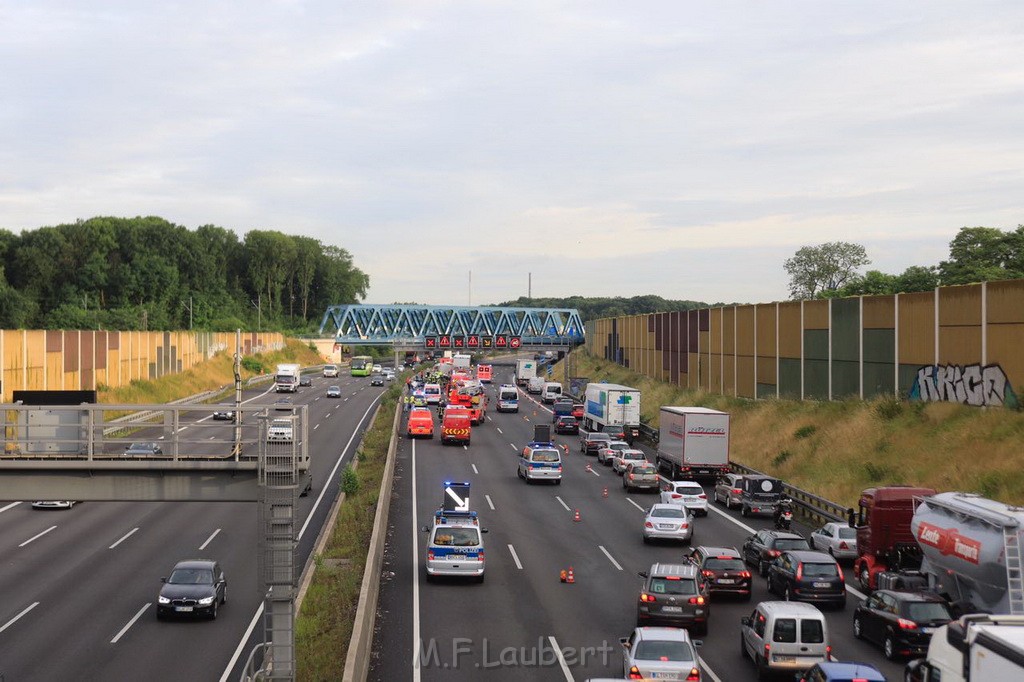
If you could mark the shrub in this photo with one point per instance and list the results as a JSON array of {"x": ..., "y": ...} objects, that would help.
[
  {"x": 251, "y": 364},
  {"x": 805, "y": 431},
  {"x": 349, "y": 481},
  {"x": 889, "y": 408},
  {"x": 780, "y": 458},
  {"x": 879, "y": 473}
]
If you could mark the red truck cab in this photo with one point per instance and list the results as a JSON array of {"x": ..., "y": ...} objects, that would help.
[{"x": 883, "y": 530}]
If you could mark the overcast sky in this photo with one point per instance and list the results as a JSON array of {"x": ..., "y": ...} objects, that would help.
[{"x": 610, "y": 148}]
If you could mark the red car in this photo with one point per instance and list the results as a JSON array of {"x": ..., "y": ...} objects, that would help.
[{"x": 577, "y": 411}]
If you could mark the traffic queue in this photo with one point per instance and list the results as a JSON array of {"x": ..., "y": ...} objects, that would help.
[{"x": 787, "y": 635}]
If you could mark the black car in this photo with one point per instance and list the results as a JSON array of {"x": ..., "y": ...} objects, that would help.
[
  {"x": 306, "y": 380},
  {"x": 567, "y": 424},
  {"x": 807, "y": 576},
  {"x": 901, "y": 622},
  {"x": 723, "y": 570},
  {"x": 591, "y": 442},
  {"x": 224, "y": 413},
  {"x": 761, "y": 548},
  {"x": 195, "y": 587},
  {"x": 376, "y": 379}
]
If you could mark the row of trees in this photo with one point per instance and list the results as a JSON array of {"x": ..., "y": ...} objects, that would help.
[
  {"x": 976, "y": 254},
  {"x": 148, "y": 273},
  {"x": 595, "y": 308}
]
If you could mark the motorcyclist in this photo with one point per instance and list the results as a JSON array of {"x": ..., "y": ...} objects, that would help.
[{"x": 784, "y": 505}]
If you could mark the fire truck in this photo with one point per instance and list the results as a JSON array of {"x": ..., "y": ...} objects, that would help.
[{"x": 473, "y": 400}]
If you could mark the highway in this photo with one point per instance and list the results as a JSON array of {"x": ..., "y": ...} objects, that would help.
[
  {"x": 510, "y": 626},
  {"x": 78, "y": 587}
]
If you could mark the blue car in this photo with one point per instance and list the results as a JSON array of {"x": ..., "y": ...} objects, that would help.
[{"x": 841, "y": 672}]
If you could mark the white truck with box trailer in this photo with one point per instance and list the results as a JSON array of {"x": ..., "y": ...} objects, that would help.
[
  {"x": 612, "y": 405},
  {"x": 525, "y": 370},
  {"x": 693, "y": 442},
  {"x": 975, "y": 648},
  {"x": 286, "y": 379},
  {"x": 461, "y": 360}
]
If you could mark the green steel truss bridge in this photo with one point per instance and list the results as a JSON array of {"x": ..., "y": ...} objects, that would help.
[{"x": 453, "y": 327}]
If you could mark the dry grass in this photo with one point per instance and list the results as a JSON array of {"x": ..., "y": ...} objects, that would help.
[{"x": 837, "y": 449}]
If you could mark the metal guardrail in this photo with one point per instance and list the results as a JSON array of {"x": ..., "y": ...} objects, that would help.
[{"x": 807, "y": 503}]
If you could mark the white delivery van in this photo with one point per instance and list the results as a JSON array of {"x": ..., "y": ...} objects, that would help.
[{"x": 551, "y": 392}]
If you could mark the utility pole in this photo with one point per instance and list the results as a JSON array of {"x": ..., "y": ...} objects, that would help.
[
  {"x": 258, "y": 305},
  {"x": 470, "y": 288},
  {"x": 529, "y": 286},
  {"x": 189, "y": 306}
]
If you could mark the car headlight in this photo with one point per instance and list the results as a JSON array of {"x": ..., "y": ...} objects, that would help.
[
  {"x": 163, "y": 600},
  {"x": 206, "y": 601}
]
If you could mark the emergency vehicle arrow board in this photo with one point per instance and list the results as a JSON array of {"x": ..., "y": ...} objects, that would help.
[{"x": 461, "y": 504}]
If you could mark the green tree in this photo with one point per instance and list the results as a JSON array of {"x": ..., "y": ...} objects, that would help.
[
  {"x": 823, "y": 268},
  {"x": 981, "y": 254}
]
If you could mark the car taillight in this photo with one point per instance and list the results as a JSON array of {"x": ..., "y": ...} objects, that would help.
[
  {"x": 736, "y": 491},
  {"x": 702, "y": 496},
  {"x": 676, "y": 496},
  {"x": 906, "y": 624},
  {"x": 647, "y": 598},
  {"x": 828, "y": 653},
  {"x": 839, "y": 568},
  {"x": 745, "y": 574},
  {"x": 634, "y": 674},
  {"x": 684, "y": 526},
  {"x": 774, "y": 552},
  {"x": 708, "y": 574},
  {"x": 631, "y": 476},
  {"x": 696, "y": 600},
  {"x": 430, "y": 556},
  {"x": 694, "y": 675},
  {"x": 648, "y": 524},
  {"x": 799, "y": 571},
  {"x": 767, "y": 650},
  {"x": 843, "y": 545}
]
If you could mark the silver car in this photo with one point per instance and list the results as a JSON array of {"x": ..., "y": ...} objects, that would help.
[
  {"x": 729, "y": 489},
  {"x": 668, "y": 522},
  {"x": 838, "y": 539},
  {"x": 620, "y": 460},
  {"x": 608, "y": 451},
  {"x": 660, "y": 653}
]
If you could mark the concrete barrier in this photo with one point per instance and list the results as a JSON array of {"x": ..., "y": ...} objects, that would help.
[{"x": 357, "y": 662}]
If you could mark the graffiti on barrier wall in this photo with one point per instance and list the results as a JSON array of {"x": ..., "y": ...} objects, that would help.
[{"x": 965, "y": 384}]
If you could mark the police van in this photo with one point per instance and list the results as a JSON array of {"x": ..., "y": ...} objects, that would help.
[
  {"x": 508, "y": 398},
  {"x": 455, "y": 546},
  {"x": 540, "y": 461}
]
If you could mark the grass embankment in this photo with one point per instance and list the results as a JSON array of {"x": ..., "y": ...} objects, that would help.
[
  {"x": 836, "y": 449},
  {"x": 324, "y": 626},
  {"x": 214, "y": 373}
]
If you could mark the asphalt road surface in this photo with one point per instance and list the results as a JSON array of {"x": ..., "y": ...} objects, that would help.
[
  {"x": 511, "y": 626},
  {"x": 78, "y": 587}
]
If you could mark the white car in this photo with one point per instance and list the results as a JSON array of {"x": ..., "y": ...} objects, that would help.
[
  {"x": 606, "y": 453},
  {"x": 660, "y": 653},
  {"x": 621, "y": 459},
  {"x": 280, "y": 430},
  {"x": 53, "y": 504},
  {"x": 377, "y": 368},
  {"x": 838, "y": 539},
  {"x": 689, "y": 494},
  {"x": 668, "y": 522}
]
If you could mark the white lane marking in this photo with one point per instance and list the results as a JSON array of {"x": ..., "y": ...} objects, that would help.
[
  {"x": 415, "y": 578},
  {"x": 636, "y": 505},
  {"x": 515, "y": 557},
  {"x": 183, "y": 428},
  {"x": 562, "y": 502},
  {"x": 513, "y": 446},
  {"x": 124, "y": 537},
  {"x": 489, "y": 503},
  {"x": 610, "y": 557},
  {"x": 209, "y": 540},
  {"x": 241, "y": 645},
  {"x": 709, "y": 671},
  {"x": 327, "y": 416},
  {"x": 474, "y": 469},
  {"x": 561, "y": 659},
  {"x": 346, "y": 400},
  {"x": 852, "y": 590},
  {"x": 10, "y": 506},
  {"x": 465, "y": 447},
  {"x": 594, "y": 471},
  {"x": 489, "y": 418},
  {"x": 130, "y": 623},
  {"x": 36, "y": 537},
  {"x": 317, "y": 426},
  {"x": 334, "y": 471},
  {"x": 500, "y": 431},
  {"x": 14, "y": 620}
]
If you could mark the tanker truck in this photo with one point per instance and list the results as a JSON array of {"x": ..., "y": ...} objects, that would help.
[{"x": 964, "y": 547}]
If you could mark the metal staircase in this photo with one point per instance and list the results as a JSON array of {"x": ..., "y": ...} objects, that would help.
[{"x": 1014, "y": 577}]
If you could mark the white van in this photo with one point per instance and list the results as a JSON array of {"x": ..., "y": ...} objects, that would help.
[
  {"x": 785, "y": 636},
  {"x": 551, "y": 392},
  {"x": 535, "y": 385},
  {"x": 330, "y": 370},
  {"x": 433, "y": 393},
  {"x": 540, "y": 462}
]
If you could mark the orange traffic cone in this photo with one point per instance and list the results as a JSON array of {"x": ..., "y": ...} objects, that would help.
[
  {"x": 570, "y": 578},
  {"x": 605, "y": 493},
  {"x": 576, "y": 515}
]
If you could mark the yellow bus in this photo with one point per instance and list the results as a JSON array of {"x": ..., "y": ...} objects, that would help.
[{"x": 361, "y": 365}]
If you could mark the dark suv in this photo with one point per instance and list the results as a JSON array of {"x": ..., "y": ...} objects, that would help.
[
  {"x": 902, "y": 622},
  {"x": 567, "y": 424},
  {"x": 591, "y": 441},
  {"x": 807, "y": 576},
  {"x": 723, "y": 570},
  {"x": 675, "y": 595},
  {"x": 761, "y": 548}
]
